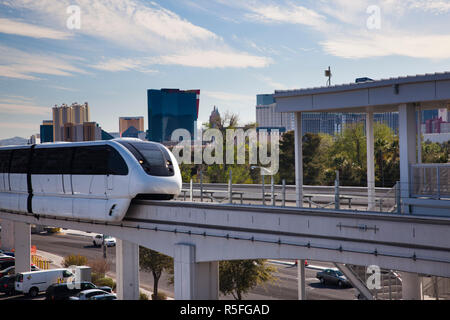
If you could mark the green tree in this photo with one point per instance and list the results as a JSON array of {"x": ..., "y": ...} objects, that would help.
[
  {"x": 154, "y": 262},
  {"x": 74, "y": 260},
  {"x": 287, "y": 158},
  {"x": 237, "y": 277},
  {"x": 433, "y": 152},
  {"x": 348, "y": 155}
]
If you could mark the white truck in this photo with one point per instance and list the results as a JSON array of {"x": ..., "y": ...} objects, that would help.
[
  {"x": 31, "y": 283},
  {"x": 97, "y": 240}
]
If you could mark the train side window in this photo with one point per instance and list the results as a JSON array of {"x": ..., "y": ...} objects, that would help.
[
  {"x": 39, "y": 161},
  {"x": 51, "y": 161},
  {"x": 19, "y": 161},
  {"x": 66, "y": 160},
  {"x": 116, "y": 164},
  {"x": 4, "y": 161},
  {"x": 90, "y": 160}
]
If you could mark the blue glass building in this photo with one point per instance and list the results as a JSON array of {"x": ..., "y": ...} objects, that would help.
[
  {"x": 171, "y": 109},
  {"x": 46, "y": 131}
]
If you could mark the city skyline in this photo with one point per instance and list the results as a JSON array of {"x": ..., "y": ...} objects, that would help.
[{"x": 230, "y": 50}]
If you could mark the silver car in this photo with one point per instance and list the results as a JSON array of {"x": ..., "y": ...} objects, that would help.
[{"x": 88, "y": 294}]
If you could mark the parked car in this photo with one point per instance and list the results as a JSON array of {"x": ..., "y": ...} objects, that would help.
[
  {"x": 109, "y": 241},
  {"x": 7, "y": 253},
  {"x": 63, "y": 291},
  {"x": 106, "y": 296},
  {"x": 87, "y": 294},
  {"x": 32, "y": 283},
  {"x": 334, "y": 277},
  {"x": 12, "y": 270},
  {"x": 6, "y": 261},
  {"x": 7, "y": 284}
]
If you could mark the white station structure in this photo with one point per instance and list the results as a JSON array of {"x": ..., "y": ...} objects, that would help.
[
  {"x": 425, "y": 188},
  {"x": 199, "y": 235}
]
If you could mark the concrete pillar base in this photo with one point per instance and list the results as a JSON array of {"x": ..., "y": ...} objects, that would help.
[
  {"x": 194, "y": 281},
  {"x": 22, "y": 246},
  {"x": 127, "y": 270},
  {"x": 411, "y": 286},
  {"x": 7, "y": 235},
  {"x": 301, "y": 280}
]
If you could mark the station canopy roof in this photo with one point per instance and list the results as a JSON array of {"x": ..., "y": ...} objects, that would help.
[{"x": 430, "y": 91}]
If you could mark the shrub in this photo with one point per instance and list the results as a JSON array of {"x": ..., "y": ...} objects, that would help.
[
  {"x": 74, "y": 260},
  {"x": 100, "y": 266},
  {"x": 160, "y": 296},
  {"x": 104, "y": 281},
  {"x": 142, "y": 296}
]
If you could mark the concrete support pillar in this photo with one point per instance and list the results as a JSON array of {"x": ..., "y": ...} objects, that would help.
[
  {"x": 7, "y": 235},
  {"x": 411, "y": 286},
  {"x": 127, "y": 270},
  {"x": 407, "y": 141},
  {"x": 301, "y": 280},
  {"x": 370, "y": 162},
  {"x": 207, "y": 280},
  {"x": 22, "y": 246},
  {"x": 194, "y": 281},
  {"x": 298, "y": 159}
]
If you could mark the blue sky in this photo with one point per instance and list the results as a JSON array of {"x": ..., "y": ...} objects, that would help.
[{"x": 231, "y": 50}]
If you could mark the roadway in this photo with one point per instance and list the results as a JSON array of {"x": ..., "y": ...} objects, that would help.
[{"x": 285, "y": 287}]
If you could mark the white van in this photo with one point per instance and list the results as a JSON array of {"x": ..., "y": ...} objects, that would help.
[{"x": 33, "y": 282}]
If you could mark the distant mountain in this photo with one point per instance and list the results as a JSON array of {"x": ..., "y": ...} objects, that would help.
[{"x": 16, "y": 141}]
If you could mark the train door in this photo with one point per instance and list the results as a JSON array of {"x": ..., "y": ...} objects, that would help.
[
  {"x": 89, "y": 169},
  {"x": 4, "y": 168},
  {"x": 67, "y": 154},
  {"x": 18, "y": 179},
  {"x": 117, "y": 186}
]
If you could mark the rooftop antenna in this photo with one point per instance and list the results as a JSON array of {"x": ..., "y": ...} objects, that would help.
[{"x": 328, "y": 74}]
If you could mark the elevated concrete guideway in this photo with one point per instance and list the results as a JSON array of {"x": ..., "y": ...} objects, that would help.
[{"x": 227, "y": 232}]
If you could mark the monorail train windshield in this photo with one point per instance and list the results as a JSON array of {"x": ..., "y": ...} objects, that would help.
[{"x": 154, "y": 159}]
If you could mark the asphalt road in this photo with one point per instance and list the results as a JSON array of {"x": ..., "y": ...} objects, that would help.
[{"x": 285, "y": 287}]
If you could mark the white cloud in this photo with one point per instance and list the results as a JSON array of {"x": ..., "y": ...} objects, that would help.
[
  {"x": 26, "y": 109},
  {"x": 434, "y": 6},
  {"x": 19, "y": 64},
  {"x": 20, "y": 28},
  {"x": 418, "y": 46},
  {"x": 124, "y": 64},
  {"x": 144, "y": 27},
  {"x": 214, "y": 59},
  {"x": 228, "y": 96},
  {"x": 290, "y": 13}
]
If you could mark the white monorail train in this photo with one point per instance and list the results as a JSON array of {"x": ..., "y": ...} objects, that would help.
[{"x": 86, "y": 180}]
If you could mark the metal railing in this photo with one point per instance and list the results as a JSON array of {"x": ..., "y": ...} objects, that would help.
[{"x": 430, "y": 180}]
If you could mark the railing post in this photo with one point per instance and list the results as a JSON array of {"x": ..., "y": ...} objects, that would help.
[
  {"x": 191, "y": 191},
  {"x": 230, "y": 186},
  {"x": 397, "y": 197},
  {"x": 201, "y": 185},
  {"x": 336, "y": 191},
  {"x": 263, "y": 190},
  {"x": 272, "y": 190},
  {"x": 284, "y": 193},
  {"x": 438, "y": 180}
]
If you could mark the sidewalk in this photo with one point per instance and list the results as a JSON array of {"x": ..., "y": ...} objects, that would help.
[{"x": 57, "y": 262}]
